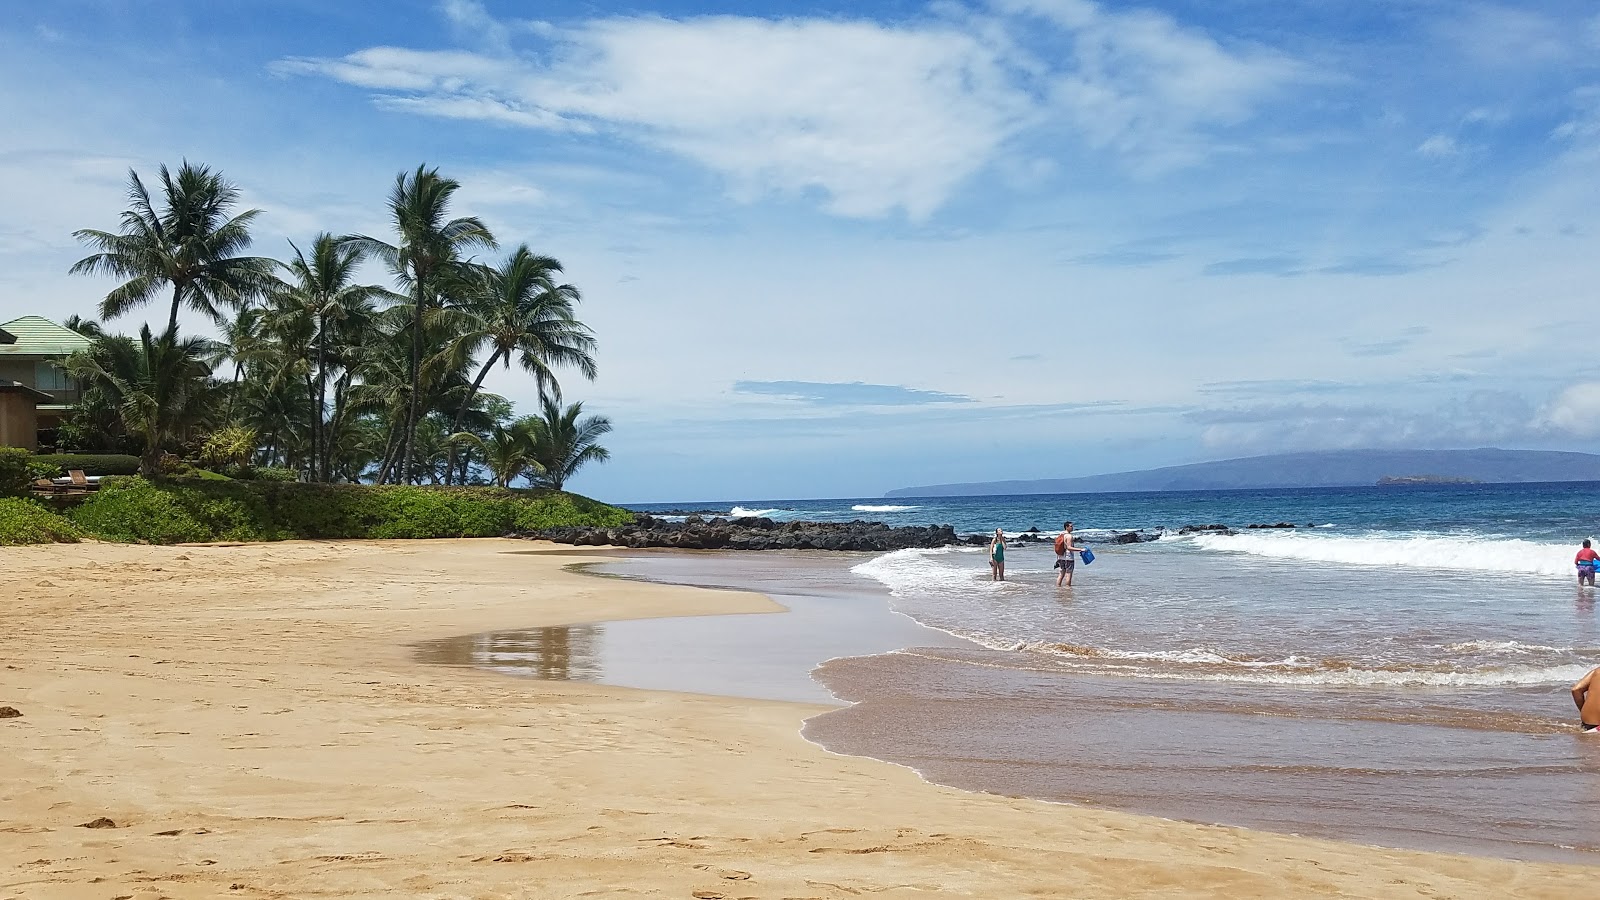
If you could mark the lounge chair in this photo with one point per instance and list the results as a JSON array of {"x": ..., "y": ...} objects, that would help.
[
  {"x": 45, "y": 486},
  {"x": 79, "y": 480}
]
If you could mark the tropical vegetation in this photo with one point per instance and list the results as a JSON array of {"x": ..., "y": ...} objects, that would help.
[{"x": 355, "y": 359}]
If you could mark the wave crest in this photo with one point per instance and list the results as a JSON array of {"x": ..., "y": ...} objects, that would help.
[{"x": 1481, "y": 554}]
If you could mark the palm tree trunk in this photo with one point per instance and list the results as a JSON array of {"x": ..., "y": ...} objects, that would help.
[
  {"x": 172, "y": 321},
  {"x": 416, "y": 378},
  {"x": 466, "y": 404},
  {"x": 319, "y": 433}
]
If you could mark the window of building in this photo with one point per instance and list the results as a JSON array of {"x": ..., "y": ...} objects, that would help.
[{"x": 47, "y": 376}]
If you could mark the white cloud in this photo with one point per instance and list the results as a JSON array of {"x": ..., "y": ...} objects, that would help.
[
  {"x": 1575, "y": 411},
  {"x": 876, "y": 117},
  {"x": 1504, "y": 36},
  {"x": 1584, "y": 122},
  {"x": 1439, "y": 146},
  {"x": 1144, "y": 85}
]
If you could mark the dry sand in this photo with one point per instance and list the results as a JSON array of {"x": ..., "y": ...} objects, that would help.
[{"x": 252, "y": 721}]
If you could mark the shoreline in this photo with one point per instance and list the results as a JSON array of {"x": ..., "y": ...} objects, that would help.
[{"x": 252, "y": 720}]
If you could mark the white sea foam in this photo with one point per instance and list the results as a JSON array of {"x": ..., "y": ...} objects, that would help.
[
  {"x": 1514, "y": 648},
  {"x": 1511, "y": 556},
  {"x": 739, "y": 512},
  {"x": 905, "y": 572},
  {"x": 1508, "y": 677},
  {"x": 861, "y": 507}
]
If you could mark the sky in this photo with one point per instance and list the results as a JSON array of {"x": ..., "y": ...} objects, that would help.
[{"x": 831, "y": 249}]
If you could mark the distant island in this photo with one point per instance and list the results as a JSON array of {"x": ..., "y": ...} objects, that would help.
[
  {"x": 1426, "y": 479},
  {"x": 1330, "y": 468}
]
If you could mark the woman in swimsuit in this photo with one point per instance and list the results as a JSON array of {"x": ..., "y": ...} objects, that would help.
[{"x": 997, "y": 556}]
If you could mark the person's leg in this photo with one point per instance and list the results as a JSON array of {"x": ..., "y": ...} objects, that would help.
[
  {"x": 1000, "y": 570},
  {"x": 1068, "y": 572},
  {"x": 1061, "y": 574}
]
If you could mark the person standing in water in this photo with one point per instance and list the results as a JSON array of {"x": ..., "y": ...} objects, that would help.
[
  {"x": 997, "y": 556},
  {"x": 1586, "y": 693},
  {"x": 1065, "y": 561},
  {"x": 1587, "y": 560}
]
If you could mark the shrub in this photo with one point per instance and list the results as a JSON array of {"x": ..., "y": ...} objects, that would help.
[
  {"x": 137, "y": 511},
  {"x": 14, "y": 473},
  {"x": 228, "y": 449},
  {"x": 27, "y": 522},
  {"x": 37, "y": 469},
  {"x": 269, "y": 473},
  {"x": 90, "y": 463},
  {"x": 195, "y": 510}
]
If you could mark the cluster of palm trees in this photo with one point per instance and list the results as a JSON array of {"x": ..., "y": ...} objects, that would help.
[{"x": 316, "y": 372}]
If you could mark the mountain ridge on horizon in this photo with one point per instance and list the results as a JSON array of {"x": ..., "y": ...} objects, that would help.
[{"x": 1311, "y": 468}]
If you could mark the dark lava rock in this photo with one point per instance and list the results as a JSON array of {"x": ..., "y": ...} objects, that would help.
[
  {"x": 1131, "y": 537},
  {"x": 101, "y": 822},
  {"x": 751, "y": 533},
  {"x": 1274, "y": 525},
  {"x": 10, "y": 712},
  {"x": 1202, "y": 529}
]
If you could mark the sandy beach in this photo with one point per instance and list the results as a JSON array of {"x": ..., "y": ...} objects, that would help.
[{"x": 254, "y": 722}]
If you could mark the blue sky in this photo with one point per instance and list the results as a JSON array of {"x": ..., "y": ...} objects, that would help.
[{"x": 833, "y": 249}]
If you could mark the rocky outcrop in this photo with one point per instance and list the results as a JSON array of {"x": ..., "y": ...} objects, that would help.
[{"x": 752, "y": 533}]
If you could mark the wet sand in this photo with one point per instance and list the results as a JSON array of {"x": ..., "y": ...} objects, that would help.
[{"x": 255, "y": 723}]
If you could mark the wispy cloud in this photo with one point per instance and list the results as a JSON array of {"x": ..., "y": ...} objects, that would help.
[
  {"x": 848, "y": 393},
  {"x": 898, "y": 116},
  {"x": 1262, "y": 265},
  {"x": 1439, "y": 146}
]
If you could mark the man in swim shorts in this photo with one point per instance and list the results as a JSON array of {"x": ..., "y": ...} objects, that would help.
[
  {"x": 1586, "y": 693},
  {"x": 1587, "y": 561},
  {"x": 1065, "y": 561}
]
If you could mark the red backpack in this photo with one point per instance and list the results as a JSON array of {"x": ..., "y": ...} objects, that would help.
[{"x": 1061, "y": 545}]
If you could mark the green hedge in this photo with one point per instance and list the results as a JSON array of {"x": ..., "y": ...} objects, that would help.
[
  {"x": 90, "y": 463},
  {"x": 165, "y": 512},
  {"x": 14, "y": 473},
  {"x": 27, "y": 522}
]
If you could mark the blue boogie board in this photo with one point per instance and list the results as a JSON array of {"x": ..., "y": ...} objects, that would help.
[{"x": 1088, "y": 556}]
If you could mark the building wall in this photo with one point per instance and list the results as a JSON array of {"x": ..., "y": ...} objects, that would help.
[
  {"x": 19, "y": 370},
  {"x": 19, "y": 422}
]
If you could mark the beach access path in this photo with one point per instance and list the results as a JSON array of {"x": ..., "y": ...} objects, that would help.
[{"x": 253, "y": 722}]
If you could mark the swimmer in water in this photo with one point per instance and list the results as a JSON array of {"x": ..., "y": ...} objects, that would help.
[
  {"x": 1586, "y": 561},
  {"x": 997, "y": 556}
]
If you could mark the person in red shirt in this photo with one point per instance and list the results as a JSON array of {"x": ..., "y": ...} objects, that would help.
[{"x": 1587, "y": 561}]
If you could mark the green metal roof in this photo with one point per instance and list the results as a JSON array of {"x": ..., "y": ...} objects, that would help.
[{"x": 38, "y": 336}]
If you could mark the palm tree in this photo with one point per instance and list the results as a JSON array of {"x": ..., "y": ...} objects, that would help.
[
  {"x": 191, "y": 245},
  {"x": 562, "y": 443},
  {"x": 161, "y": 387},
  {"x": 518, "y": 310},
  {"x": 429, "y": 246},
  {"x": 89, "y": 328},
  {"x": 319, "y": 297},
  {"x": 507, "y": 452}
]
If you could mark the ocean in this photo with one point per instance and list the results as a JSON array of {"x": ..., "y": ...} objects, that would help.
[{"x": 1393, "y": 670}]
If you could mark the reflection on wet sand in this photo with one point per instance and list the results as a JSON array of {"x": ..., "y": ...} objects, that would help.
[
  {"x": 768, "y": 656},
  {"x": 559, "y": 653}
]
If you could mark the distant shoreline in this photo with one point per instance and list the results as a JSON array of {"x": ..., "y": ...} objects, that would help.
[{"x": 1391, "y": 480}]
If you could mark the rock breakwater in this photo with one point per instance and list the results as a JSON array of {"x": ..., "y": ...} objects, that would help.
[{"x": 752, "y": 533}]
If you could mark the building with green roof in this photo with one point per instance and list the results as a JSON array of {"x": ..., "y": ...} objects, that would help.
[{"x": 35, "y": 392}]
